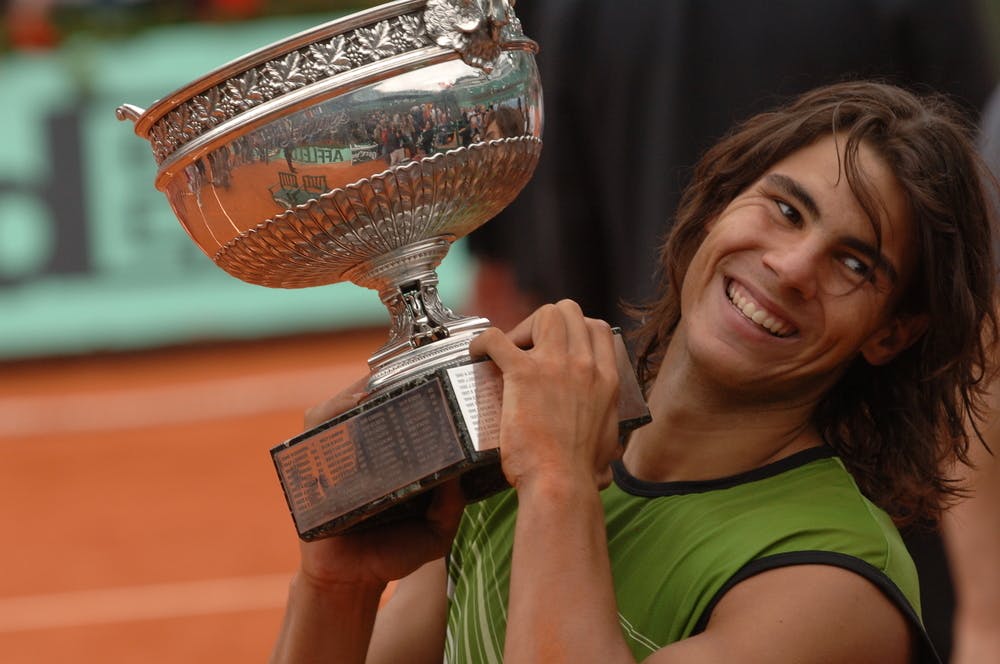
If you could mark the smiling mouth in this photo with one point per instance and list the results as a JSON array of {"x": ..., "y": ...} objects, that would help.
[{"x": 757, "y": 314}]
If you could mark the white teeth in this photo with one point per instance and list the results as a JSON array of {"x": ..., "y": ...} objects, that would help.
[{"x": 758, "y": 315}]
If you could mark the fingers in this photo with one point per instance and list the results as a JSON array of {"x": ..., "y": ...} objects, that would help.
[
  {"x": 348, "y": 398},
  {"x": 497, "y": 346},
  {"x": 560, "y": 326},
  {"x": 550, "y": 324}
]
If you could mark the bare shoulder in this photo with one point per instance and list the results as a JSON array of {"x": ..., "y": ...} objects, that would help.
[
  {"x": 806, "y": 614},
  {"x": 411, "y": 625}
]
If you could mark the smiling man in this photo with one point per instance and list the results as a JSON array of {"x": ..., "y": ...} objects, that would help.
[{"x": 809, "y": 365}]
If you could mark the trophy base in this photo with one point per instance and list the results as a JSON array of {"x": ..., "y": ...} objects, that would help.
[
  {"x": 368, "y": 465},
  {"x": 376, "y": 463}
]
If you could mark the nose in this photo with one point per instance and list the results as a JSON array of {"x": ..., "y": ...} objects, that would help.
[{"x": 796, "y": 261}]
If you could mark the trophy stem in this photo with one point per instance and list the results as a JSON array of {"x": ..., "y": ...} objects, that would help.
[{"x": 424, "y": 333}]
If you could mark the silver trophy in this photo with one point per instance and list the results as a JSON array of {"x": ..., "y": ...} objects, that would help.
[{"x": 359, "y": 151}]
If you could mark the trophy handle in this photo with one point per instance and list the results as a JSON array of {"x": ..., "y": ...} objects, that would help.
[{"x": 129, "y": 112}]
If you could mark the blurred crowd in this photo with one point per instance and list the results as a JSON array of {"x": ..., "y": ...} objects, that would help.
[
  {"x": 43, "y": 24},
  {"x": 428, "y": 128}
]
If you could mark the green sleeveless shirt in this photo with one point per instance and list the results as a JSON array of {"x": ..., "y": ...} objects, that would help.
[{"x": 677, "y": 547}]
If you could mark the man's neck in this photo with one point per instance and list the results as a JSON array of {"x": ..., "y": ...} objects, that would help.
[{"x": 701, "y": 432}]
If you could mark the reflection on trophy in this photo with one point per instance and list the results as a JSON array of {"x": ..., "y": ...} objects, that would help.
[{"x": 359, "y": 151}]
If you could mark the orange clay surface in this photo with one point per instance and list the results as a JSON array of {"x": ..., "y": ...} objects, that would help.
[{"x": 142, "y": 518}]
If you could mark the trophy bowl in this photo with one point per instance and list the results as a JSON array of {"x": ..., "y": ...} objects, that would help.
[{"x": 358, "y": 151}]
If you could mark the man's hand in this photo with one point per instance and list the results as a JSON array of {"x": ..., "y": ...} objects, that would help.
[{"x": 559, "y": 418}]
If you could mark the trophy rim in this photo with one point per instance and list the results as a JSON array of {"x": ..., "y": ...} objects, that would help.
[{"x": 159, "y": 108}]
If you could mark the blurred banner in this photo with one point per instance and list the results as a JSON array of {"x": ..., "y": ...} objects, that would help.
[{"x": 91, "y": 256}]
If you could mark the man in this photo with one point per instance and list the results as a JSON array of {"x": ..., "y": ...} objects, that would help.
[{"x": 806, "y": 352}]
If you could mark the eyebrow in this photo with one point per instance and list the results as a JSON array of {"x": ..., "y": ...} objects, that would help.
[{"x": 795, "y": 190}]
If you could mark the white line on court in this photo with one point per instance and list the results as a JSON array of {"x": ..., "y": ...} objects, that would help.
[
  {"x": 173, "y": 404},
  {"x": 152, "y": 602}
]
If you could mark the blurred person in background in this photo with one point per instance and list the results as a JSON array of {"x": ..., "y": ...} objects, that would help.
[
  {"x": 990, "y": 140},
  {"x": 972, "y": 527},
  {"x": 635, "y": 91}
]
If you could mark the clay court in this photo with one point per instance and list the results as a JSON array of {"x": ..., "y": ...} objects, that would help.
[{"x": 144, "y": 520}]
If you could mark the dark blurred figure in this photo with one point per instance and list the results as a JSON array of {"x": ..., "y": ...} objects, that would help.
[
  {"x": 636, "y": 90},
  {"x": 990, "y": 139}
]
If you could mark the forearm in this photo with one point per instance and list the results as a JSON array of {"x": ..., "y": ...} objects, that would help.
[
  {"x": 562, "y": 605},
  {"x": 326, "y": 625}
]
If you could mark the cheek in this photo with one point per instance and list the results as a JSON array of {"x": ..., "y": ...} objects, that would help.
[
  {"x": 697, "y": 271},
  {"x": 856, "y": 321}
]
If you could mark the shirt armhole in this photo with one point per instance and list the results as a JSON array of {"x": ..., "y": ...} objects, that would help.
[{"x": 926, "y": 653}]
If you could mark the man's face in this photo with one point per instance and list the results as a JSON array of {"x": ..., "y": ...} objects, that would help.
[{"x": 787, "y": 287}]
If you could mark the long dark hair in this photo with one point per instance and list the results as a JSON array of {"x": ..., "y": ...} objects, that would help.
[{"x": 896, "y": 426}]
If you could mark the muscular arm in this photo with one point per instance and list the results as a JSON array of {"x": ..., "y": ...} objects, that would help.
[
  {"x": 340, "y": 624},
  {"x": 326, "y": 624},
  {"x": 411, "y": 626},
  {"x": 815, "y": 614},
  {"x": 562, "y": 604},
  {"x": 972, "y": 538}
]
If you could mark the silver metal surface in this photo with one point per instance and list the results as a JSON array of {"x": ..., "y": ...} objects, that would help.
[{"x": 358, "y": 150}]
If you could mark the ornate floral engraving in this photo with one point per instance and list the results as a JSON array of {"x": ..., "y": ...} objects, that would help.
[
  {"x": 284, "y": 75},
  {"x": 292, "y": 71},
  {"x": 242, "y": 92},
  {"x": 474, "y": 28},
  {"x": 208, "y": 108},
  {"x": 327, "y": 58},
  {"x": 376, "y": 42},
  {"x": 411, "y": 29}
]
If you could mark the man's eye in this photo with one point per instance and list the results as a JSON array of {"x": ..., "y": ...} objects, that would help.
[
  {"x": 857, "y": 266},
  {"x": 788, "y": 211}
]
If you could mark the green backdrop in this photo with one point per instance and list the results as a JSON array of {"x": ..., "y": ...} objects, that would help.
[{"x": 91, "y": 256}]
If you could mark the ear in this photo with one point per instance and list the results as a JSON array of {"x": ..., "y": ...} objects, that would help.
[{"x": 898, "y": 335}]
